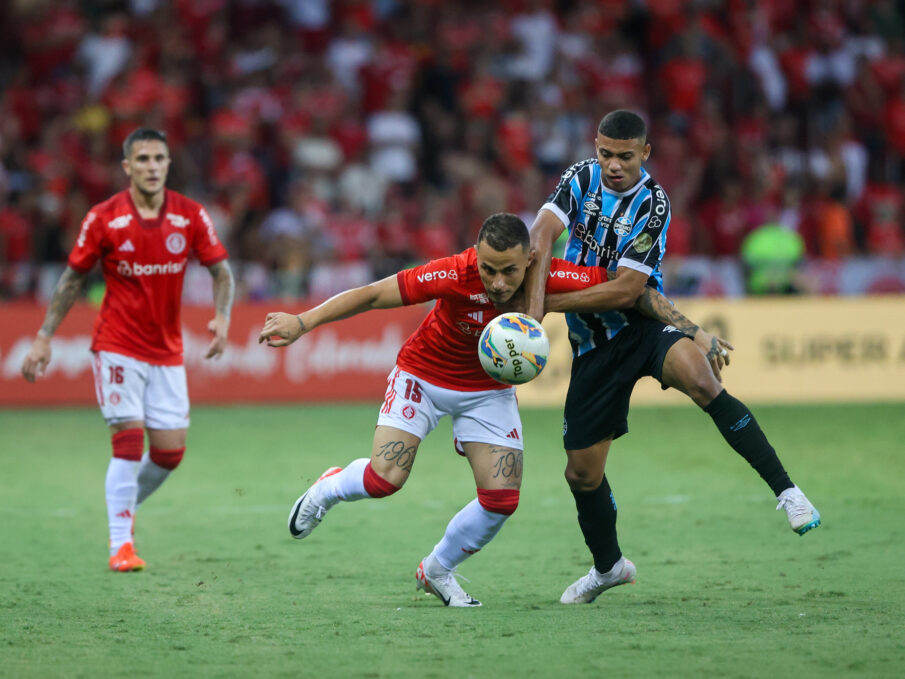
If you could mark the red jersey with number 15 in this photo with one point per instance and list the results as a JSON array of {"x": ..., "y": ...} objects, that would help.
[
  {"x": 143, "y": 261},
  {"x": 444, "y": 348}
]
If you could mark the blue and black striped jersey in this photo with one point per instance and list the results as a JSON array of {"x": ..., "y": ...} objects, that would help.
[{"x": 610, "y": 230}]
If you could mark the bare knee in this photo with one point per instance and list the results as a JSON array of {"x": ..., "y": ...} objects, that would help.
[
  {"x": 583, "y": 478},
  {"x": 702, "y": 387}
]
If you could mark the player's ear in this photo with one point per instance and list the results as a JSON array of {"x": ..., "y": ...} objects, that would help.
[
  {"x": 646, "y": 154},
  {"x": 532, "y": 253},
  {"x": 126, "y": 168}
]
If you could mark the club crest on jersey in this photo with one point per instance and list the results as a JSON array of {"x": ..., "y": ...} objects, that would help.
[
  {"x": 178, "y": 221},
  {"x": 120, "y": 222},
  {"x": 623, "y": 226},
  {"x": 175, "y": 243}
]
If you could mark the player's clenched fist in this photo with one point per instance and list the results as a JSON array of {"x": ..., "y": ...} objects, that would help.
[{"x": 281, "y": 329}]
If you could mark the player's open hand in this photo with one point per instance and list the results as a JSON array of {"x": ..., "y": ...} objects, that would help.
[
  {"x": 219, "y": 328},
  {"x": 716, "y": 349},
  {"x": 37, "y": 358},
  {"x": 281, "y": 329}
]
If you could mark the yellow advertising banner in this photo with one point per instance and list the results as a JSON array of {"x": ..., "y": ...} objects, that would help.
[{"x": 800, "y": 349}]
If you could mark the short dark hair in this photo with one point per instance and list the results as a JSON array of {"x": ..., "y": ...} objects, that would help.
[
  {"x": 503, "y": 231},
  {"x": 623, "y": 124},
  {"x": 142, "y": 134}
]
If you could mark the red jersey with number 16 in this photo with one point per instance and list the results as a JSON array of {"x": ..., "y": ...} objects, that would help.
[
  {"x": 444, "y": 348},
  {"x": 143, "y": 261}
]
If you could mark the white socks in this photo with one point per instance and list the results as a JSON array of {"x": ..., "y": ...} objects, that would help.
[
  {"x": 345, "y": 486},
  {"x": 470, "y": 529},
  {"x": 121, "y": 487},
  {"x": 150, "y": 476}
]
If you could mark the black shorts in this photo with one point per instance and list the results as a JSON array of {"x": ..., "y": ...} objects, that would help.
[{"x": 603, "y": 379}]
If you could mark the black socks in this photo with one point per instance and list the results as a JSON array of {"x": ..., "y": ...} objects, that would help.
[
  {"x": 743, "y": 433},
  {"x": 597, "y": 519}
]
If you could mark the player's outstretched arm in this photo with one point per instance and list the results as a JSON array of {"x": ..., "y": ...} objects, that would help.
[
  {"x": 618, "y": 293},
  {"x": 68, "y": 289},
  {"x": 653, "y": 304},
  {"x": 281, "y": 328},
  {"x": 224, "y": 293},
  {"x": 544, "y": 232}
]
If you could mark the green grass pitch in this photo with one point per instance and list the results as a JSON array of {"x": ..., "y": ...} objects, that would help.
[{"x": 724, "y": 589}]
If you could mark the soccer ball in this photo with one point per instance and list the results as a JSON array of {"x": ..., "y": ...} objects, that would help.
[{"x": 513, "y": 348}]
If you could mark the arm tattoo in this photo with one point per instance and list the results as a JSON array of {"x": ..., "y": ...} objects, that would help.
[
  {"x": 508, "y": 465},
  {"x": 714, "y": 349},
  {"x": 654, "y": 305},
  {"x": 68, "y": 289},
  {"x": 395, "y": 451},
  {"x": 224, "y": 287}
]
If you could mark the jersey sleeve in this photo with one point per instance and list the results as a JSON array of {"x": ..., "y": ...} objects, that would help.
[
  {"x": 428, "y": 281},
  {"x": 565, "y": 201},
  {"x": 88, "y": 246},
  {"x": 567, "y": 277},
  {"x": 648, "y": 243},
  {"x": 206, "y": 245}
]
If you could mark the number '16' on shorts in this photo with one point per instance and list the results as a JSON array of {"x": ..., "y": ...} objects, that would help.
[{"x": 128, "y": 390}]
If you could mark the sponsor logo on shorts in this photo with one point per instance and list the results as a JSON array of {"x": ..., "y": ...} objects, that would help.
[
  {"x": 670, "y": 328},
  {"x": 175, "y": 243}
]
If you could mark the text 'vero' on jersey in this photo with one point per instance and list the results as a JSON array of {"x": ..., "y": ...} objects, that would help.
[
  {"x": 609, "y": 229},
  {"x": 444, "y": 348},
  {"x": 143, "y": 262}
]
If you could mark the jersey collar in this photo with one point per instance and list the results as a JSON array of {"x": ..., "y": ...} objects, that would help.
[
  {"x": 149, "y": 223},
  {"x": 621, "y": 194}
]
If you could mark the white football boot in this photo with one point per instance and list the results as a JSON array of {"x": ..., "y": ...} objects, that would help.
[
  {"x": 586, "y": 589},
  {"x": 803, "y": 516},
  {"x": 308, "y": 511},
  {"x": 434, "y": 579}
]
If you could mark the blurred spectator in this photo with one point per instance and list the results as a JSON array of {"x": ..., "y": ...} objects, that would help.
[
  {"x": 773, "y": 255},
  {"x": 408, "y": 122}
]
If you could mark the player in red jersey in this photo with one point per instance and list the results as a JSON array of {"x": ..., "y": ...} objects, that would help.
[
  {"x": 437, "y": 373},
  {"x": 143, "y": 237}
]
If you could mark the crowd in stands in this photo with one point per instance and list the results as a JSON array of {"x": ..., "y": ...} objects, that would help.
[{"x": 335, "y": 142}]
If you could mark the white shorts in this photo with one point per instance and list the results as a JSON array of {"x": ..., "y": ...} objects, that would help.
[
  {"x": 415, "y": 405},
  {"x": 128, "y": 389}
]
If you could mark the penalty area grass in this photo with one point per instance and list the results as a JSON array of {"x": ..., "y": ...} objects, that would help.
[{"x": 724, "y": 588}]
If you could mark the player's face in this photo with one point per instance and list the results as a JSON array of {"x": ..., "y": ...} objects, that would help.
[
  {"x": 620, "y": 161},
  {"x": 147, "y": 166},
  {"x": 502, "y": 272}
]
